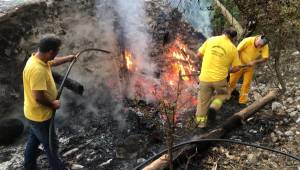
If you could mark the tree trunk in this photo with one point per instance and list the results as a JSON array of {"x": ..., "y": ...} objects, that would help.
[{"x": 228, "y": 16}]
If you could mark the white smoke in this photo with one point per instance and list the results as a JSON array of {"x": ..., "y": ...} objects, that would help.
[
  {"x": 197, "y": 13},
  {"x": 97, "y": 72},
  {"x": 133, "y": 22}
]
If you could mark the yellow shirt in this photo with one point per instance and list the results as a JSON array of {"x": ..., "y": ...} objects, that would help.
[
  {"x": 248, "y": 52},
  {"x": 37, "y": 75},
  {"x": 219, "y": 53}
]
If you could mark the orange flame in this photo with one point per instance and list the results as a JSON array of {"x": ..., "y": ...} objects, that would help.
[
  {"x": 129, "y": 60},
  {"x": 182, "y": 63},
  {"x": 179, "y": 66}
]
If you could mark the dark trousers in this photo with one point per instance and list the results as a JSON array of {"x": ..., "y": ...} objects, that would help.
[{"x": 39, "y": 134}]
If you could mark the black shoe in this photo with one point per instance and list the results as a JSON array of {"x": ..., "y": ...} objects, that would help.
[
  {"x": 242, "y": 105},
  {"x": 235, "y": 93},
  {"x": 211, "y": 115}
]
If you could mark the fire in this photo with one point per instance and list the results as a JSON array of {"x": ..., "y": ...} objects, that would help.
[
  {"x": 181, "y": 63},
  {"x": 129, "y": 60},
  {"x": 179, "y": 66},
  {"x": 171, "y": 83},
  {"x": 177, "y": 73}
]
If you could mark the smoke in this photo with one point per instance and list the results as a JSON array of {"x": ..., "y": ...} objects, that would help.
[
  {"x": 136, "y": 39},
  {"x": 197, "y": 13},
  {"x": 96, "y": 71},
  {"x": 91, "y": 24}
]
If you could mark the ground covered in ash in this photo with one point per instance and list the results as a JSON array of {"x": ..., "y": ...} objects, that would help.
[{"x": 100, "y": 130}]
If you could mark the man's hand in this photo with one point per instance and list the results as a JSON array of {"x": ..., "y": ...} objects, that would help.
[
  {"x": 56, "y": 104},
  {"x": 70, "y": 58},
  {"x": 257, "y": 61},
  {"x": 252, "y": 63}
]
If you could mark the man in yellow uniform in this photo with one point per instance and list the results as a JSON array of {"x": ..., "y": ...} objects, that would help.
[
  {"x": 250, "y": 49},
  {"x": 219, "y": 54},
  {"x": 40, "y": 100}
]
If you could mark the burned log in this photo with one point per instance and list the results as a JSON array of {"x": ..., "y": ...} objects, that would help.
[
  {"x": 70, "y": 84},
  {"x": 233, "y": 122},
  {"x": 10, "y": 130}
]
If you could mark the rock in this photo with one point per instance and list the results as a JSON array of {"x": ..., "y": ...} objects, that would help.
[
  {"x": 289, "y": 133},
  {"x": 296, "y": 53},
  {"x": 273, "y": 137},
  {"x": 290, "y": 110},
  {"x": 10, "y": 130},
  {"x": 276, "y": 106},
  {"x": 289, "y": 100},
  {"x": 251, "y": 158},
  {"x": 293, "y": 114},
  {"x": 141, "y": 160},
  {"x": 297, "y": 93},
  {"x": 76, "y": 166},
  {"x": 298, "y": 120},
  {"x": 279, "y": 132},
  {"x": 280, "y": 113}
]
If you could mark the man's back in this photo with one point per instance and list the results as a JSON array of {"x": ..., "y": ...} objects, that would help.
[{"x": 219, "y": 53}]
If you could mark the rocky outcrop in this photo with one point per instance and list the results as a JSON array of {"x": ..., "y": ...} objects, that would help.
[{"x": 16, "y": 27}]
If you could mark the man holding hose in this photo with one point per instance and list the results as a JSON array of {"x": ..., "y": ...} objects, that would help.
[{"x": 40, "y": 100}]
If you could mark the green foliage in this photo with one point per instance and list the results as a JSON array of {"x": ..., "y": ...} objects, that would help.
[{"x": 217, "y": 19}]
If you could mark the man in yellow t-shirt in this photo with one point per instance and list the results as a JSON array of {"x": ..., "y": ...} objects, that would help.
[
  {"x": 40, "y": 100},
  {"x": 219, "y": 54},
  {"x": 252, "y": 51}
]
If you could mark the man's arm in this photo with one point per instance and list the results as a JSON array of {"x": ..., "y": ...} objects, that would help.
[
  {"x": 257, "y": 61},
  {"x": 40, "y": 97},
  {"x": 236, "y": 68},
  {"x": 61, "y": 60}
]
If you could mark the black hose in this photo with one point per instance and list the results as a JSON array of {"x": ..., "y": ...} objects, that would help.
[
  {"x": 51, "y": 126},
  {"x": 214, "y": 140}
]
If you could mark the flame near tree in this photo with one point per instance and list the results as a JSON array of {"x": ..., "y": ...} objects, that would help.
[
  {"x": 179, "y": 67},
  {"x": 180, "y": 61}
]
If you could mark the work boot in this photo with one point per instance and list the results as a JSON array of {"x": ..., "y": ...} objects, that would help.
[
  {"x": 212, "y": 113},
  {"x": 242, "y": 105},
  {"x": 235, "y": 93},
  {"x": 201, "y": 121}
]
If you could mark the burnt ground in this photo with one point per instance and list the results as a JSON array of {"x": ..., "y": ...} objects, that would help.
[
  {"x": 93, "y": 135},
  {"x": 276, "y": 126}
]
